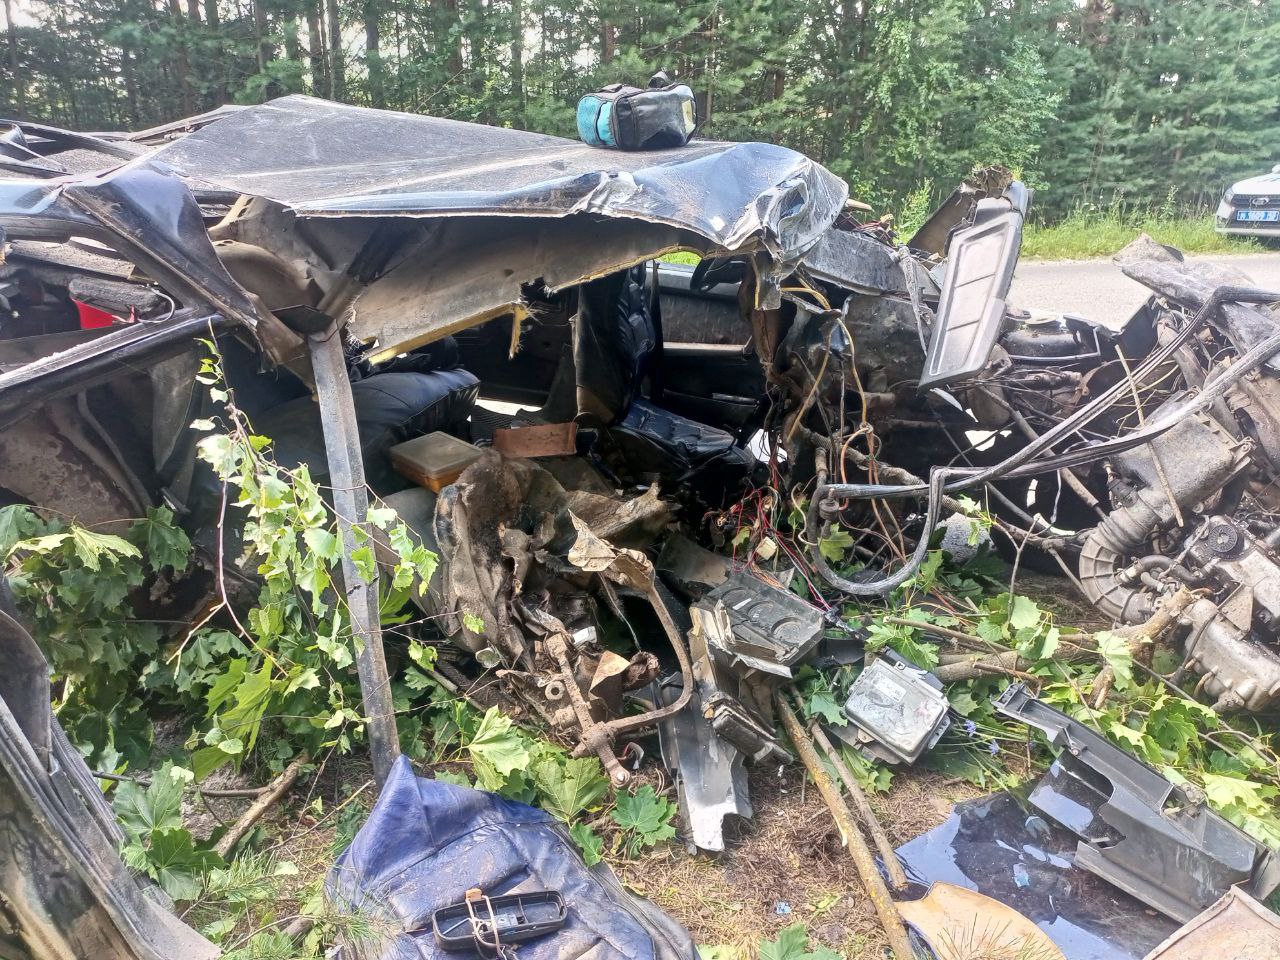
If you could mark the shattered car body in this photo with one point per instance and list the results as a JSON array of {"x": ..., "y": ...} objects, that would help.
[{"x": 421, "y": 276}]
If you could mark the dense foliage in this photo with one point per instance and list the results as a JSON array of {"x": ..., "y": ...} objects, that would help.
[{"x": 1141, "y": 102}]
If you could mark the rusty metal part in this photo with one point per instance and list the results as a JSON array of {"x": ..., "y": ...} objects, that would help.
[
  {"x": 351, "y": 504},
  {"x": 1236, "y": 926},
  {"x": 890, "y": 919},
  {"x": 897, "y": 876},
  {"x": 627, "y": 568},
  {"x": 557, "y": 644}
]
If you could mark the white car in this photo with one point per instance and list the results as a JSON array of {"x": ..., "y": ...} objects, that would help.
[{"x": 1251, "y": 206}]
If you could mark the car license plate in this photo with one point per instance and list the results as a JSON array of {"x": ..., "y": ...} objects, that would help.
[{"x": 1266, "y": 215}]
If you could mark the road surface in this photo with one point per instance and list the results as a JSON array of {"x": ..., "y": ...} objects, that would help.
[{"x": 1098, "y": 290}]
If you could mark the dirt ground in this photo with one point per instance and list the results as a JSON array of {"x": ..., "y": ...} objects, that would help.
[{"x": 787, "y": 865}]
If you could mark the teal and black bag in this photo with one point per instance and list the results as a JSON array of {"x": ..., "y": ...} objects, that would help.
[{"x": 628, "y": 118}]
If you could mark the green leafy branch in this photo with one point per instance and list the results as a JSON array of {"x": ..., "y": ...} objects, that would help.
[{"x": 299, "y": 646}]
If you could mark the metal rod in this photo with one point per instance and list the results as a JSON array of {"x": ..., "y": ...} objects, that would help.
[
  {"x": 351, "y": 504},
  {"x": 863, "y": 860}
]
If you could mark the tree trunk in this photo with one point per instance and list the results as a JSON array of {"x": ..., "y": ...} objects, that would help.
[
  {"x": 213, "y": 21},
  {"x": 337, "y": 55},
  {"x": 453, "y": 64},
  {"x": 15, "y": 69},
  {"x": 266, "y": 49},
  {"x": 608, "y": 43},
  {"x": 130, "y": 84},
  {"x": 315, "y": 49},
  {"x": 517, "y": 55},
  {"x": 181, "y": 62},
  {"x": 373, "y": 54},
  {"x": 293, "y": 48}
]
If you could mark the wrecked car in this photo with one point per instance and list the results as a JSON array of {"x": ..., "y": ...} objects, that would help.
[{"x": 478, "y": 326}]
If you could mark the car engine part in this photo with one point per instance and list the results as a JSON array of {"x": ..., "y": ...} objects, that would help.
[{"x": 1231, "y": 642}]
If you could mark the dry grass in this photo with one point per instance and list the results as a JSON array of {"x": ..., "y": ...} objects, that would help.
[{"x": 788, "y": 856}]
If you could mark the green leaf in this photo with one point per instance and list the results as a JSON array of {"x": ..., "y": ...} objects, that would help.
[
  {"x": 208, "y": 759},
  {"x": 365, "y": 562},
  {"x": 498, "y": 744},
  {"x": 162, "y": 543},
  {"x": 793, "y": 944},
  {"x": 224, "y": 685},
  {"x": 473, "y": 622},
  {"x": 335, "y": 648},
  {"x": 176, "y": 863},
  {"x": 323, "y": 543},
  {"x": 1023, "y": 613},
  {"x": 221, "y": 453},
  {"x": 251, "y": 696},
  {"x": 17, "y": 522},
  {"x": 1227, "y": 792},
  {"x": 1115, "y": 650},
  {"x": 569, "y": 786},
  {"x": 423, "y": 656},
  {"x": 591, "y": 846},
  {"x": 382, "y": 517},
  {"x": 158, "y": 806},
  {"x": 927, "y": 576},
  {"x": 40, "y": 544},
  {"x": 645, "y": 815},
  {"x": 822, "y": 703},
  {"x": 302, "y": 678},
  {"x": 835, "y": 544}
]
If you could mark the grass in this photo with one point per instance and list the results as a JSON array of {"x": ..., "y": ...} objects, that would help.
[{"x": 1089, "y": 233}]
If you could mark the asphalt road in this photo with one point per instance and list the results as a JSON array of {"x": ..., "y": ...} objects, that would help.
[{"x": 1098, "y": 290}]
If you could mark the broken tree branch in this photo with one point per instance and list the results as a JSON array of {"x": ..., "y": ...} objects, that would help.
[
  {"x": 970, "y": 668},
  {"x": 277, "y": 789},
  {"x": 215, "y": 792},
  {"x": 863, "y": 861},
  {"x": 897, "y": 876}
]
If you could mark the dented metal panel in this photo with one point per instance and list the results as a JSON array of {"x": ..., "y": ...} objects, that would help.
[{"x": 327, "y": 159}]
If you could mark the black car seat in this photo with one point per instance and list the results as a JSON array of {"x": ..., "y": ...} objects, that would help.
[
  {"x": 390, "y": 408},
  {"x": 618, "y": 374}
]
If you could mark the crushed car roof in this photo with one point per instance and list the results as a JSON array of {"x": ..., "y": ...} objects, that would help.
[{"x": 326, "y": 159}]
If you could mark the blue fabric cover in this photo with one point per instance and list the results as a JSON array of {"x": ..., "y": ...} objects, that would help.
[
  {"x": 426, "y": 842},
  {"x": 594, "y": 127}
]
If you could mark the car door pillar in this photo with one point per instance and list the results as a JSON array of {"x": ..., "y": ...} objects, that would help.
[{"x": 351, "y": 504}]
